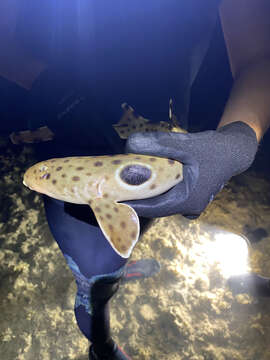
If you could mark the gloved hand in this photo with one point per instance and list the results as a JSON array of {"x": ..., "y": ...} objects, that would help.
[{"x": 210, "y": 159}]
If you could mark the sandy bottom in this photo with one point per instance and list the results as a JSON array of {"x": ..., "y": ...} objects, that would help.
[{"x": 186, "y": 312}]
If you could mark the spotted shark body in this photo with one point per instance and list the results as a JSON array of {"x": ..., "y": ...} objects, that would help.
[
  {"x": 132, "y": 122},
  {"x": 103, "y": 182}
]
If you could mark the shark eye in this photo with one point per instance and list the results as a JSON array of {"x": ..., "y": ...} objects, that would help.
[
  {"x": 135, "y": 174},
  {"x": 43, "y": 168}
]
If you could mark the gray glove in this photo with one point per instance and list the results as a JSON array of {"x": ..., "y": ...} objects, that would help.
[{"x": 210, "y": 159}]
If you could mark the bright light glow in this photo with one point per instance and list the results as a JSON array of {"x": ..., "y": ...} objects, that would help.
[{"x": 229, "y": 252}]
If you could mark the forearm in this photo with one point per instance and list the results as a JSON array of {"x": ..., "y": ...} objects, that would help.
[{"x": 249, "y": 100}]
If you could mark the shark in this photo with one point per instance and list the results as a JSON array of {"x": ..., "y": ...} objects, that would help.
[
  {"x": 131, "y": 122},
  {"x": 105, "y": 182}
]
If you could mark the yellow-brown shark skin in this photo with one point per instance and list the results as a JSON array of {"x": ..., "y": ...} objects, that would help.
[
  {"x": 97, "y": 181},
  {"x": 131, "y": 123}
]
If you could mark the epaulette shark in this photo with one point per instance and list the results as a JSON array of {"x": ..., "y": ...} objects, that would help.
[
  {"x": 132, "y": 122},
  {"x": 103, "y": 182}
]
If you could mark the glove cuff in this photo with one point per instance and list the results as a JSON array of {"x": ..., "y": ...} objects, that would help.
[{"x": 243, "y": 143}]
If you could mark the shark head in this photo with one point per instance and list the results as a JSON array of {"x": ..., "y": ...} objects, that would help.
[
  {"x": 34, "y": 175},
  {"x": 42, "y": 177}
]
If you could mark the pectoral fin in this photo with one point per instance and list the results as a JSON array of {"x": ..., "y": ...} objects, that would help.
[{"x": 119, "y": 224}]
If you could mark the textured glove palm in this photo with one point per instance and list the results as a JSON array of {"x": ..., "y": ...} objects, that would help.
[{"x": 210, "y": 159}]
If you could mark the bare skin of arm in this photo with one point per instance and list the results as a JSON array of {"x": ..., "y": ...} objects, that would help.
[
  {"x": 246, "y": 27},
  {"x": 16, "y": 64}
]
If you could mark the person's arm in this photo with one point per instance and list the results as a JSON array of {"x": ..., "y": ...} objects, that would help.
[
  {"x": 246, "y": 26},
  {"x": 16, "y": 64}
]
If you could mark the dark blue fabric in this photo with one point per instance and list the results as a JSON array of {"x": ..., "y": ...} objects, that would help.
[{"x": 86, "y": 250}]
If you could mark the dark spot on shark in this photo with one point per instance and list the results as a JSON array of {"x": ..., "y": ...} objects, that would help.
[
  {"x": 116, "y": 162},
  {"x": 98, "y": 163},
  {"x": 123, "y": 224},
  {"x": 123, "y": 248},
  {"x": 171, "y": 162},
  {"x": 54, "y": 181},
  {"x": 106, "y": 195},
  {"x": 108, "y": 216},
  {"x": 88, "y": 174},
  {"x": 178, "y": 176},
  {"x": 58, "y": 168},
  {"x": 80, "y": 168},
  {"x": 133, "y": 234},
  {"x": 63, "y": 175},
  {"x": 135, "y": 174},
  {"x": 152, "y": 159},
  {"x": 98, "y": 209},
  {"x": 115, "y": 209},
  {"x": 111, "y": 227},
  {"x": 153, "y": 186},
  {"x": 67, "y": 160},
  {"x": 76, "y": 178}
]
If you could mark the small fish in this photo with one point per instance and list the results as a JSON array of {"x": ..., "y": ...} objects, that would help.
[
  {"x": 103, "y": 182},
  {"x": 32, "y": 136}
]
